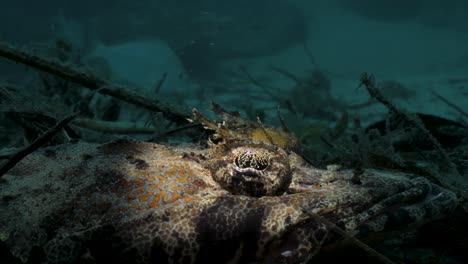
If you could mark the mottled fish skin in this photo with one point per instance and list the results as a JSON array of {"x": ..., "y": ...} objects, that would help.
[{"x": 135, "y": 202}]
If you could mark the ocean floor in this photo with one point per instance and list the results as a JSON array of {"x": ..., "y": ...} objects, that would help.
[{"x": 420, "y": 66}]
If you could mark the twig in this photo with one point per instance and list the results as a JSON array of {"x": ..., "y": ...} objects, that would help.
[
  {"x": 284, "y": 101},
  {"x": 90, "y": 81},
  {"x": 48, "y": 135},
  {"x": 340, "y": 127},
  {"x": 175, "y": 130},
  {"x": 454, "y": 106},
  {"x": 308, "y": 53},
  {"x": 112, "y": 127},
  {"x": 268, "y": 136},
  {"x": 257, "y": 83},
  {"x": 160, "y": 83},
  {"x": 368, "y": 81},
  {"x": 354, "y": 240},
  {"x": 286, "y": 74},
  {"x": 281, "y": 119},
  {"x": 454, "y": 180},
  {"x": 361, "y": 105}
]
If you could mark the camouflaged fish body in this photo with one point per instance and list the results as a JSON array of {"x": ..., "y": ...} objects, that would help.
[
  {"x": 240, "y": 201},
  {"x": 129, "y": 201}
]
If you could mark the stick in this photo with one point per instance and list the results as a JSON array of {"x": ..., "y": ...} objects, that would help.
[
  {"x": 308, "y": 53},
  {"x": 454, "y": 106},
  {"x": 355, "y": 241},
  {"x": 257, "y": 83},
  {"x": 48, "y": 135},
  {"x": 112, "y": 127},
  {"x": 454, "y": 180},
  {"x": 286, "y": 74},
  {"x": 173, "y": 131},
  {"x": 279, "y": 99},
  {"x": 272, "y": 142},
  {"x": 90, "y": 81},
  {"x": 281, "y": 119},
  {"x": 160, "y": 83}
]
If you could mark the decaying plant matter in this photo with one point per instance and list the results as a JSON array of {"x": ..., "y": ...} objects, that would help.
[
  {"x": 239, "y": 148},
  {"x": 43, "y": 139},
  {"x": 246, "y": 198},
  {"x": 90, "y": 81},
  {"x": 452, "y": 177}
]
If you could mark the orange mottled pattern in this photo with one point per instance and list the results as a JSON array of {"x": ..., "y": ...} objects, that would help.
[
  {"x": 148, "y": 176},
  {"x": 135, "y": 202}
]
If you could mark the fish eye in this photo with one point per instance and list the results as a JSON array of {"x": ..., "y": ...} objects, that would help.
[
  {"x": 252, "y": 169},
  {"x": 249, "y": 159}
]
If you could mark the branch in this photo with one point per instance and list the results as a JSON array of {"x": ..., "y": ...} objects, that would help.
[
  {"x": 454, "y": 106},
  {"x": 257, "y": 83},
  {"x": 90, "y": 81},
  {"x": 354, "y": 241},
  {"x": 175, "y": 130},
  {"x": 281, "y": 100},
  {"x": 454, "y": 180},
  {"x": 112, "y": 127},
  {"x": 160, "y": 83},
  {"x": 286, "y": 74},
  {"x": 48, "y": 135}
]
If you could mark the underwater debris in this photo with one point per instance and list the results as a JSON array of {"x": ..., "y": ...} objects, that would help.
[
  {"x": 339, "y": 129},
  {"x": 129, "y": 154},
  {"x": 452, "y": 178},
  {"x": 36, "y": 124},
  {"x": 316, "y": 85},
  {"x": 232, "y": 126},
  {"x": 49, "y": 134},
  {"x": 129, "y": 200},
  {"x": 312, "y": 96},
  {"x": 268, "y": 90},
  {"x": 160, "y": 83},
  {"x": 34, "y": 113},
  {"x": 380, "y": 257},
  {"x": 156, "y": 138},
  {"x": 396, "y": 90},
  {"x": 90, "y": 81},
  {"x": 448, "y": 133},
  {"x": 452, "y": 105},
  {"x": 112, "y": 127}
]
